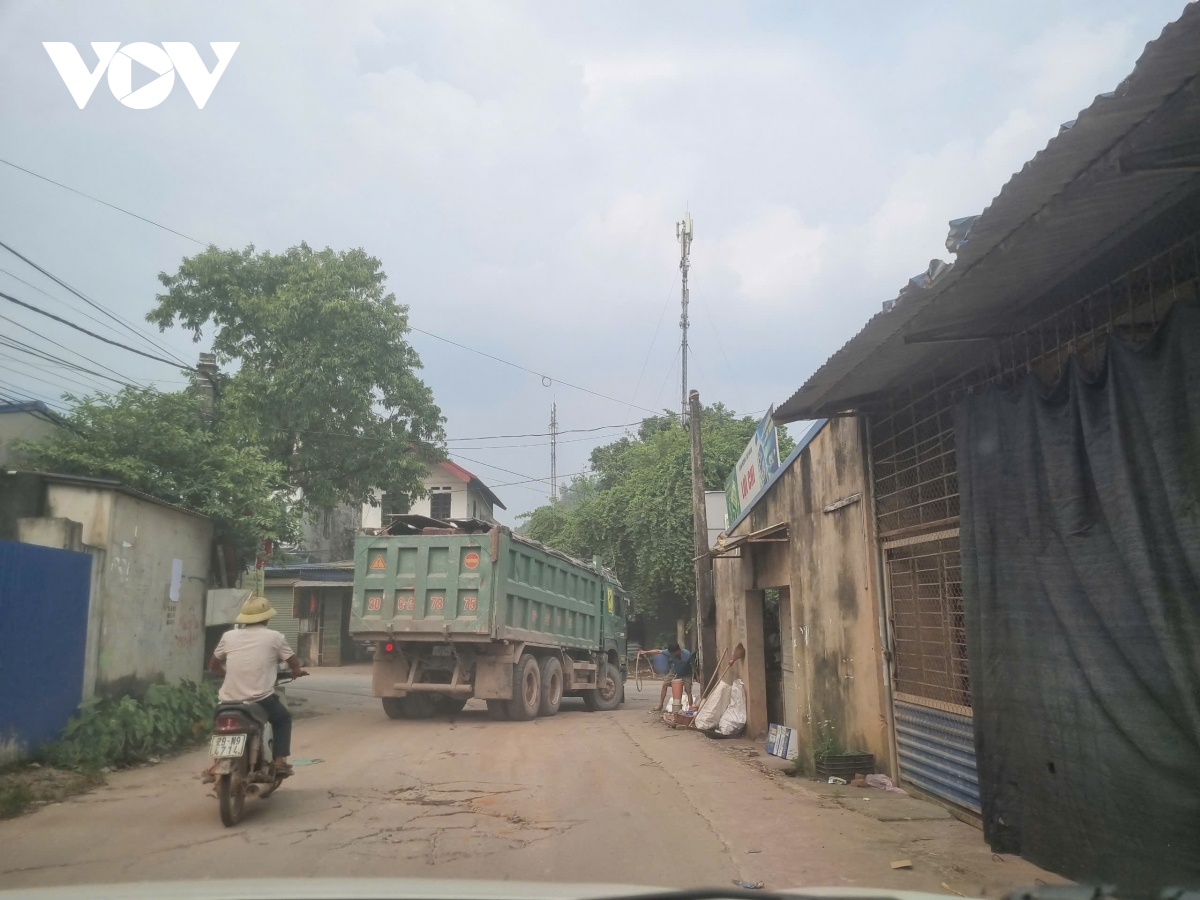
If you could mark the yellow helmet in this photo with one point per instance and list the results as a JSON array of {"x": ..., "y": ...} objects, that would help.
[{"x": 256, "y": 609}]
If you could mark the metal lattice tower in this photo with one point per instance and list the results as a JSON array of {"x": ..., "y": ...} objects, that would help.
[
  {"x": 683, "y": 231},
  {"x": 553, "y": 453}
]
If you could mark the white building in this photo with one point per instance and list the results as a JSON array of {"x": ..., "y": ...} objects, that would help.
[{"x": 452, "y": 493}]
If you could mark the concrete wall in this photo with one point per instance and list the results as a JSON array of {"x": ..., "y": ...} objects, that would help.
[
  {"x": 828, "y": 567},
  {"x": 20, "y": 426},
  {"x": 141, "y": 634},
  {"x": 327, "y": 534}
]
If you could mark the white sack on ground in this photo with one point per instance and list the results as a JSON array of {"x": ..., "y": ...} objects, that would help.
[
  {"x": 733, "y": 720},
  {"x": 709, "y": 715}
]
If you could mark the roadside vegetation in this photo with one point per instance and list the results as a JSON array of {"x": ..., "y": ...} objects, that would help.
[
  {"x": 105, "y": 734},
  {"x": 319, "y": 401},
  {"x": 635, "y": 509}
]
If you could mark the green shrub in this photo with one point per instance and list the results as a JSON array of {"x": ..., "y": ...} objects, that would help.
[
  {"x": 14, "y": 799},
  {"x": 117, "y": 732}
]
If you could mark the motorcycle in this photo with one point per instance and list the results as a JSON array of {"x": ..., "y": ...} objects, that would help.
[{"x": 243, "y": 752}]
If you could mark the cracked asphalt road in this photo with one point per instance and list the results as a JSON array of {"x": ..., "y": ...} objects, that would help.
[{"x": 601, "y": 797}]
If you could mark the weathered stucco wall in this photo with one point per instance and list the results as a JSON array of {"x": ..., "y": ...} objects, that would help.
[
  {"x": 143, "y": 635},
  {"x": 828, "y": 565}
]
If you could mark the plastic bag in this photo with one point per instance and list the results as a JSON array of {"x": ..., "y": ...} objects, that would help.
[
  {"x": 733, "y": 720},
  {"x": 708, "y": 717},
  {"x": 884, "y": 784}
]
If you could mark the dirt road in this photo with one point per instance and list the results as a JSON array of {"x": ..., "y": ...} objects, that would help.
[{"x": 604, "y": 797}]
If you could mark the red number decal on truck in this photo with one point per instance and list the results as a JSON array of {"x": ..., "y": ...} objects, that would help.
[
  {"x": 375, "y": 603},
  {"x": 437, "y": 602},
  {"x": 469, "y": 603}
]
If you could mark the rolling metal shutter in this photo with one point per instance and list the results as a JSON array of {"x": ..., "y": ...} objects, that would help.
[{"x": 280, "y": 596}]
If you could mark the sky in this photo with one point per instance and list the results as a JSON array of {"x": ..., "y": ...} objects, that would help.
[{"x": 519, "y": 168}]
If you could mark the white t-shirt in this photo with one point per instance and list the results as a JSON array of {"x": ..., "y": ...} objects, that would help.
[{"x": 252, "y": 657}]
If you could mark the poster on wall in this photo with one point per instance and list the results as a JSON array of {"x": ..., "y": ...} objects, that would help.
[{"x": 758, "y": 462}]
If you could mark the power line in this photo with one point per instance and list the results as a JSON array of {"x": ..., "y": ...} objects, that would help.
[
  {"x": 119, "y": 209},
  {"x": 98, "y": 337},
  {"x": 496, "y": 437},
  {"x": 662, "y": 315},
  {"x": 57, "y": 384},
  {"x": 88, "y": 300},
  {"x": 22, "y": 347},
  {"x": 57, "y": 299},
  {"x": 24, "y": 394},
  {"x": 547, "y": 380},
  {"x": 720, "y": 346},
  {"x": 601, "y": 437},
  {"x": 670, "y": 372},
  {"x": 125, "y": 378}
]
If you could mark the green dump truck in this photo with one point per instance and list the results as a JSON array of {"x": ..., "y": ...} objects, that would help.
[{"x": 473, "y": 610}]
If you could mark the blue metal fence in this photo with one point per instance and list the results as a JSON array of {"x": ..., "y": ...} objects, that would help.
[{"x": 43, "y": 626}]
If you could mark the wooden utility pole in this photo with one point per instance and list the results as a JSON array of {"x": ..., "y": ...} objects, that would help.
[{"x": 706, "y": 612}]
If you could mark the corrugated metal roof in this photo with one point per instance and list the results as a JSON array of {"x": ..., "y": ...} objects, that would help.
[{"x": 1081, "y": 194}]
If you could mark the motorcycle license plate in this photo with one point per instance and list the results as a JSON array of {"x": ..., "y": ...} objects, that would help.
[{"x": 224, "y": 745}]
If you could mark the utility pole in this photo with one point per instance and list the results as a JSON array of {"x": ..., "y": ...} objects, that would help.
[
  {"x": 553, "y": 452},
  {"x": 683, "y": 231},
  {"x": 706, "y": 612}
]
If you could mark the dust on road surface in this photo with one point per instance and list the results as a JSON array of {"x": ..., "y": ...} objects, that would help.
[{"x": 580, "y": 797}]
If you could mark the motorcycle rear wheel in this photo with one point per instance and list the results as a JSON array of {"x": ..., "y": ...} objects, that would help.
[{"x": 231, "y": 796}]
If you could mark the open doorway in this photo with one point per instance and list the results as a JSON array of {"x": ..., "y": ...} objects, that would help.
[{"x": 773, "y": 657}]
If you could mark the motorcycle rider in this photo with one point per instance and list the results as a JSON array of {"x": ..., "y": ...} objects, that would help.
[{"x": 249, "y": 659}]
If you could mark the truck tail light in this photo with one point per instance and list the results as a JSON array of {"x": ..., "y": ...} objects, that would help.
[
  {"x": 389, "y": 647},
  {"x": 228, "y": 723}
]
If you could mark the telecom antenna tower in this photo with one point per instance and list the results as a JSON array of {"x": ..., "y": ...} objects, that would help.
[
  {"x": 553, "y": 452},
  {"x": 683, "y": 231}
]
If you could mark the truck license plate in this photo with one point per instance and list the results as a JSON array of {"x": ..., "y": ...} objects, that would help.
[
  {"x": 442, "y": 650},
  {"x": 224, "y": 745}
]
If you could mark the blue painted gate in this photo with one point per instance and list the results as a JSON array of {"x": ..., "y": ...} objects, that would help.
[{"x": 43, "y": 638}]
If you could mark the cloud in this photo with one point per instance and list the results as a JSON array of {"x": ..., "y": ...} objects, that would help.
[{"x": 774, "y": 256}]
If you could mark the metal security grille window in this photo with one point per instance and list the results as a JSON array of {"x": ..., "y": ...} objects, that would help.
[
  {"x": 916, "y": 473},
  {"x": 439, "y": 504},
  {"x": 927, "y": 620}
]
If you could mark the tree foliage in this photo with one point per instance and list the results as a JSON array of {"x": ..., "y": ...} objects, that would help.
[
  {"x": 635, "y": 509},
  {"x": 158, "y": 443},
  {"x": 324, "y": 373}
]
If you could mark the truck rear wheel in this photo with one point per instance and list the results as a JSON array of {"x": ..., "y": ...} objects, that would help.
[
  {"x": 394, "y": 707},
  {"x": 498, "y": 710},
  {"x": 452, "y": 706},
  {"x": 420, "y": 705},
  {"x": 527, "y": 689},
  {"x": 552, "y": 686},
  {"x": 608, "y": 694}
]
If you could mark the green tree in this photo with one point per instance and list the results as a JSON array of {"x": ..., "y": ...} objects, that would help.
[
  {"x": 158, "y": 443},
  {"x": 635, "y": 509},
  {"x": 324, "y": 374}
]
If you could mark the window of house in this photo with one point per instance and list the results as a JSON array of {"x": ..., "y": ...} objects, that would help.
[
  {"x": 439, "y": 504},
  {"x": 474, "y": 509}
]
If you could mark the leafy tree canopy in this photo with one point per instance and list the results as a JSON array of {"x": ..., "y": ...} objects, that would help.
[
  {"x": 635, "y": 509},
  {"x": 325, "y": 377},
  {"x": 158, "y": 443}
]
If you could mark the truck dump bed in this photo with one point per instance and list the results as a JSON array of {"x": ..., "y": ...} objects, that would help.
[{"x": 489, "y": 586}]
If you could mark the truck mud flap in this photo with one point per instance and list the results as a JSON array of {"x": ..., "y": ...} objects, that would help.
[{"x": 493, "y": 678}]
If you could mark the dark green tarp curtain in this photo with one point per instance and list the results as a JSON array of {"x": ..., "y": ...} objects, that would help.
[{"x": 1080, "y": 529}]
